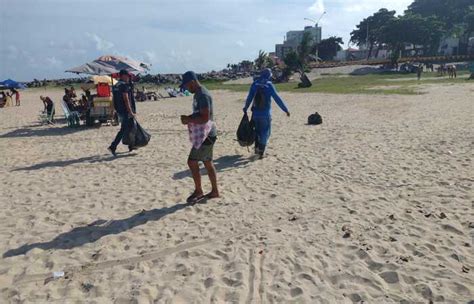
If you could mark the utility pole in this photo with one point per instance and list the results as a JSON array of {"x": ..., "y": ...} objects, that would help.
[{"x": 314, "y": 21}]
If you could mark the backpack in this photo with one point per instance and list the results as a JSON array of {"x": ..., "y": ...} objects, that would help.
[
  {"x": 259, "y": 98},
  {"x": 246, "y": 132},
  {"x": 315, "y": 119}
]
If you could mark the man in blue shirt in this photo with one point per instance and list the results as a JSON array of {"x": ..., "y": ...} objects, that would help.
[
  {"x": 124, "y": 105},
  {"x": 260, "y": 97}
]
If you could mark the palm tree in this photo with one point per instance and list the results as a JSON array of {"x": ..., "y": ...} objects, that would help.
[
  {"x": 305, "y": 49},
  {"x": 262, "y": 60}
]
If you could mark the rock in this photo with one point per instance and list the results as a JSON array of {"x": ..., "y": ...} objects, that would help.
[{"x": 442, "y": 215}]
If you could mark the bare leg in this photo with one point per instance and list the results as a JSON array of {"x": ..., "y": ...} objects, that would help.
[
  {"x": 194, "y": 167},
  {"x": 211, "y": 171}
]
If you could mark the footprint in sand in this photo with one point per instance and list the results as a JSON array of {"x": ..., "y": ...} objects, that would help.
[{"x": 391, "y": 277}]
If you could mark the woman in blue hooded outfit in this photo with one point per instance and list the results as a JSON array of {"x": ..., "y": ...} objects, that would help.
[{"x": 260, "y": 97}]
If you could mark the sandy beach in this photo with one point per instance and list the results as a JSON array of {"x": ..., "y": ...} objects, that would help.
[{"x": 373, "y": 206}]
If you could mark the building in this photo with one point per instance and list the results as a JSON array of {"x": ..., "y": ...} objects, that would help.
[
  {"x": 449, "y": 46},
  {"x": 293, "y": 40}
]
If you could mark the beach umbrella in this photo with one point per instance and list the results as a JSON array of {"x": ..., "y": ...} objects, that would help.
[
  {"x": 12, "y": 84},
  {"x": 110, "y": 64}
]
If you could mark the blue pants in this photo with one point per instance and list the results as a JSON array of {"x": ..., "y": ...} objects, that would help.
[
  {"x": 263, "y": 130},
  {"x": 123, "y": 130}
]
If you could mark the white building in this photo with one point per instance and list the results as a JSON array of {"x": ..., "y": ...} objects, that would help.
[
  {"x": 449, "y": 46},
  {"x": 293, "y": 40}
]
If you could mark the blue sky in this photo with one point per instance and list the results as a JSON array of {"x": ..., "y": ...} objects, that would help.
[{"x": 42, "y": 38}]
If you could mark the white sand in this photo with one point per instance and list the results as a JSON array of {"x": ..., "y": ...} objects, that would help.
[{"x": 393, "y": 173}]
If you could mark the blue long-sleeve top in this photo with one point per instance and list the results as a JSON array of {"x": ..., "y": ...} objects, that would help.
[{"x": 269, "y": 93}]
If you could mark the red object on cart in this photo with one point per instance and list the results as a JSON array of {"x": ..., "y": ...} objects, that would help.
[{"x": 103, "y": 90}]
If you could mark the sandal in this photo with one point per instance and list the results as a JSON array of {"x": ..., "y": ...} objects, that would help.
[{"x": 194, "y": 198}]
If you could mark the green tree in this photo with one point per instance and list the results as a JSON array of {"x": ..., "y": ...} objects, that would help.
[
  {"x": 450, "y": 12},
  {"x": 454, "y": 14},
  {"x": 469, "y": 19},
  {"x": 246, "y": 65},
  {"x": 329, "y": 47},
  {"x": 305, "y": 49},
  {"x": 424, "y": 33},
  {"x": 368, "y": 32},
  {"x": 292, "y": 61},
  {"x": 262, "y": 60}
]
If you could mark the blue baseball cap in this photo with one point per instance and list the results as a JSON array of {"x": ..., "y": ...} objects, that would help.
[{"x": 188, "y": 77}]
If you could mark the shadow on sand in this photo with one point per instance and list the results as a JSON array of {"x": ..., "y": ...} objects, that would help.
[
  {"x": 34, "y": 131},
  {"x": 64, "y": 163},
  {"x": 95, "y": 231},
  {"x": 222, "y": 164}
]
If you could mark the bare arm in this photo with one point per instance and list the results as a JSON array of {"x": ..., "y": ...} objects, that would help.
[
  {"x": 279, "y": 101},
  {"x": 203, "y": 117},
  {"x": 127, "y": 104}
]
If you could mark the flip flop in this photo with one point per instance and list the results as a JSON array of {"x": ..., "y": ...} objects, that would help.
[
  {"x": 194, "y": 198},
  {"x": 211, "y": 196}
]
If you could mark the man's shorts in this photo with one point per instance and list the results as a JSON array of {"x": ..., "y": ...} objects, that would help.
[{"x": 205, "y": 152}]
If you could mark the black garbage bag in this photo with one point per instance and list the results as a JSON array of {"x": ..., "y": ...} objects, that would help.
[
  {"x": 130, "y": 132},
  {"x": 142, "y": 137},
  {"x": 246, "y": 132},
  {"x": 315, "y": 119}
]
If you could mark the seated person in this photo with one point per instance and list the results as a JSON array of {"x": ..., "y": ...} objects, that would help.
[
  {"x": 9, "y": 100},
  {"x": 48, "y": 108},
  {"x": 68, "y": 99},
  {"x": 3, "y": 99},
  {"x": 72, "y": 92}
]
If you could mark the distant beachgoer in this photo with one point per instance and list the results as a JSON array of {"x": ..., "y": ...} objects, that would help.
[
  {"x": 9, "y": 99},
  {"x": 48, "y": 108},
  {"x": 17, "y": 96},
  {"x": 419, "y": 71},
  {"x": 260, "y": 96},
  {"x": 124, "y": 104},
  {"x": 67, "y": 99},
  {"x": 452, "y": 71},
  {"x": 3, "y": 99},
  {"x": 203, "y": 114},
  {"x": 72, "y": 92},
  {"x": 471, "y": 70}
]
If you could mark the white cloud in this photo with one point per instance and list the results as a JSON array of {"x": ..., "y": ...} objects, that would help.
[
  {"x": 263, "y": 20},
  {"x": 317, "y": 8},
  {"x": 369, "y": 7},
  {"x": 54, "y": 62},
  {"x": 150, "y": 57},
  {"x": 100, "y": 43},
  {"x": 223, "y": 33},
  {"x": 240, "y": 43}
]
